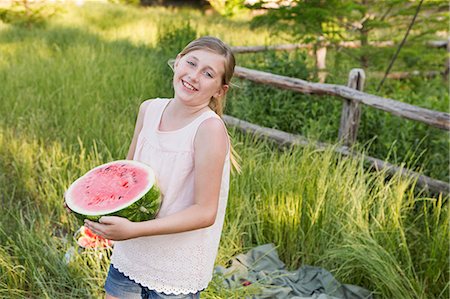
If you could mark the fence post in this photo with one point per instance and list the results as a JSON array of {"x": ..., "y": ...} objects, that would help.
[
  {"x": 321, "y": 56},
  {"x": 351, "y": 111}
]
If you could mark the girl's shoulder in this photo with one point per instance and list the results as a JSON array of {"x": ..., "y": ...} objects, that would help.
[
  {"x": 212, "y": 132},
  {"x": 156, "y": 102}
]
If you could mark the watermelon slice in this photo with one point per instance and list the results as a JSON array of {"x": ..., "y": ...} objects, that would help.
[
  {"x": 122, "y": 188},
  {"x": 87, "y": 239}
]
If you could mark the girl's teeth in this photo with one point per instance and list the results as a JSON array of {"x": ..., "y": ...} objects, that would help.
[{"x": 188, "y": 86}]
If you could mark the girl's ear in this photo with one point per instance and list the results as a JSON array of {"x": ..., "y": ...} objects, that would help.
[
  {"x": 222, "y": 90},
  {"x": 225, "y": 88}
]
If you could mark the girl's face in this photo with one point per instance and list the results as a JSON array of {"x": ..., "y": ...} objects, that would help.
[{"x": 198, "y": 77}]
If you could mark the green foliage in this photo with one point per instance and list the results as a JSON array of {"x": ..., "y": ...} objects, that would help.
[
  {"x": 334, "y": 21},
  {"x": 282, "y": 109},
  {"x": 306, "y": 20},
  {"x": 227, "y": 8},
  {"x": 420, "y": 146},
  {"x": 127, "y": 2},
  {"x": 173, "y": 38},
  {"x": 24, "y": 13},
  {"x": 315, "y": 16}
]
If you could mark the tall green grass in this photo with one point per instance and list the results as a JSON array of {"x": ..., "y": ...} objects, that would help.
[
  {"x": 317, "y": 207},
  {"x": 69, "y": 97}
]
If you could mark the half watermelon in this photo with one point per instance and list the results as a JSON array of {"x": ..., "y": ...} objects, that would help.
[{"x": 122, "y": 188}]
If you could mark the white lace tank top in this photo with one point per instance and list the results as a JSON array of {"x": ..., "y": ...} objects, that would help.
[{"x": 178, "y": 263}]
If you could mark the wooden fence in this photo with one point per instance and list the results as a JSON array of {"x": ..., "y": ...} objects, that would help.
[{"x": 353, "y": 97}]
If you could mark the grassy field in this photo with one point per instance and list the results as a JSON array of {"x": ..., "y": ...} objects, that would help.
[{"x": 69, "y": 97}]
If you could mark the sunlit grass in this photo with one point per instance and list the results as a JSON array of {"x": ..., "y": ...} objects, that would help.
[{"x": 139, "y": 25}]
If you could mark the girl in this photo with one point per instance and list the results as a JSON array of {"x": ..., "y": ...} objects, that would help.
[{"x": 186, "y": 143}]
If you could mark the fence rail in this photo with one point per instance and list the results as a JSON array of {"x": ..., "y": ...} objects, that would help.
[
  {"x": 433, "y": 118},
  {"x": 288, "y": 139},
  {"x": 290, "y": 47},
  {"x": 438, "y": 43}
]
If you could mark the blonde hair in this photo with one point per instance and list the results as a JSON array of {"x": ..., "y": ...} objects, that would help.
[{"x": 217, "y": 104}]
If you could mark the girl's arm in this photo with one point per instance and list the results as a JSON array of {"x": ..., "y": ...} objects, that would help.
[
  {"x": 137, "y": 129},
  {"x": 211, "y": 145}
]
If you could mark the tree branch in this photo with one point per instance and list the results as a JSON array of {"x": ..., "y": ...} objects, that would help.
[{"x": 400, "y": 46}]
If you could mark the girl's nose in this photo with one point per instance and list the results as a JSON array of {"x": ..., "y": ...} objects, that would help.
[{"x": 195, "y": 75}]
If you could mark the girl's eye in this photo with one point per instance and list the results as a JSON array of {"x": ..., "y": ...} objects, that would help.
[
  {"x": 191, "y": 63},
  {"x": 208, "y": 74}
]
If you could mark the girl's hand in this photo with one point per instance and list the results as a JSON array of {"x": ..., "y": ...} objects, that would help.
[{"x": 113, "y": 228}]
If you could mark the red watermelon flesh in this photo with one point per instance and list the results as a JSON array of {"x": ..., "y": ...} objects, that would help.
[
  {"x": 124, "y": 188},
  {"x": 109, "y": 188},
  {"x": 87, "y": 239}
]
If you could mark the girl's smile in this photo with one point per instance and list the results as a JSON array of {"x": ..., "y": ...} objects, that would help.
[{"x": 189, "y": 86}]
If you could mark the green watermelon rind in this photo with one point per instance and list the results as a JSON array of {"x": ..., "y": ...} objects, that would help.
[{"x": 146, "y": 208}]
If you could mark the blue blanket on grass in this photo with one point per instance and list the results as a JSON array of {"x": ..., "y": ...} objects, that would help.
[{"x": 262, "y": 266}]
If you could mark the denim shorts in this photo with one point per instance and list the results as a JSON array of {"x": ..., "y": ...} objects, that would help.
[{"x": 120, "y": 286}]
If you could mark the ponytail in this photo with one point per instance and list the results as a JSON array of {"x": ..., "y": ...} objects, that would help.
[{"x": 217, "y": 105}]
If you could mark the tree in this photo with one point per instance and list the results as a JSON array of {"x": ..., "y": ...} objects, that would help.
[{"x": 333, "y": 21}]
